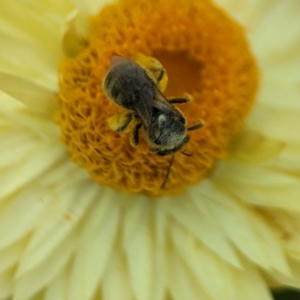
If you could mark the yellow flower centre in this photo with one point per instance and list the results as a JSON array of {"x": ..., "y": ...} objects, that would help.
[{"x": 205, "y": 54}]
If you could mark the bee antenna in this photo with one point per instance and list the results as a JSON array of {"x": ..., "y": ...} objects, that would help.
[
  {"x": 195, "y": 127},
  {"x": 168, "y": 173},
  {"x": 186, "y": 154}
]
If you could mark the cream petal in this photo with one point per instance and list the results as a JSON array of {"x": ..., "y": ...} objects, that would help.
[
  {"x": 251, "y": 183},
  {"x": 58, "y": 221},
  {"x": 58, "y": 288},
  {"x": 75, "y": 33},
  {"x": 97, "y": 241},
  {"x": 16, "y": 117},
  {"x": 15, "y": 177},
  {"x": 97, "y": 261},
  {"x": 36, "y": 97},
  {"x": 247, "y": 231},
  {"x": 252, "y": 146},
  {"x": 202, "y": 226},
  {"x": 6, "y": 284},
  {"x": 10, "y": 255},
  {"x": 250, "y": 284},
  {"x": 139, "y": 254},
  {"x": 116, "y": 283},
  {"x": 182, "y": 285},
  {"x": 284, "y": 72},
  {"x": 10, "y": 152},
  {"x": 160, "y": 253},
  {"x": 280, "y": 94},
  {"x": 36, "y": 123},
  {"x": 292, "y": 281},
  {"x": 211, "y": 272},
  {"x": 90, "y": 7},
  {"x": 136, "y": 212},
  {"x": 30, "y": 43},
  {"x": 287, "y": 227},
  {"x": 289, "y": 160},
  {"x": 14, "y": 223},
  {"x": 279, "y": 124},
  {"x": 275, "y": 28},
  {"x": 32, "y": 282},
  {"x": 247, "y": 12},
  {"x": 36, "y": 25},
  {"x": 53, "y": 8},
  {"x": 265, "y": 22}
]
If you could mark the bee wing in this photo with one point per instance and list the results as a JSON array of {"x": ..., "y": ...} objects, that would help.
[
  {"x": 145, "y": 102},
  {"x": 138, "y": 87},
  {"x": 163, "y": 104},
  {"x": 117, "y": 59}
]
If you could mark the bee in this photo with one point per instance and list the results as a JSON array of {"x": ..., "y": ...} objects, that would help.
[{"x": 134, "y": 88}]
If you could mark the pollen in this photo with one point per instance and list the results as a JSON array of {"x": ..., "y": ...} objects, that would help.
[{"x": 206, "y": 56}]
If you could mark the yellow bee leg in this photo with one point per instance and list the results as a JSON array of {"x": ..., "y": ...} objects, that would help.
[
  {"x": 135, "y": 138},
  {"x": 120, "y": 122},
  {"x": 154, "y": 68}
]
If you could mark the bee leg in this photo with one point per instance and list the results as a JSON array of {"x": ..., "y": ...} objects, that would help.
[
  {"x": 195, "y": 127},
  {"x": 178, "y": 100},
  {"x": 160, "y": 75},
  {"x": 135, "y": 138},
  {"x": 186, "y": 99},
  {"x": 120, "y": 122}
]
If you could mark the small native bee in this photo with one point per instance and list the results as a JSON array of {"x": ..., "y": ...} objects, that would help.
[{"x": 132, "y": 87}]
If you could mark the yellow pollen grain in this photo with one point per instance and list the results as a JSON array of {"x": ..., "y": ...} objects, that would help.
[{"x": 205, "y": 54}]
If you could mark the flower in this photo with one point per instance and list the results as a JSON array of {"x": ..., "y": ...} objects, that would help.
[{"x": 64, "y": 236}]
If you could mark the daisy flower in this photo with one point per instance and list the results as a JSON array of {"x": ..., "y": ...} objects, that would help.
[{"x": 83, "y": 214}]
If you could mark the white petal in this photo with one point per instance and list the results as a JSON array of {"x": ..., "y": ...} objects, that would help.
[{"x": 97, "y": 240}]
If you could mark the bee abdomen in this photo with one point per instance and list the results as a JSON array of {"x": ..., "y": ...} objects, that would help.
[{"x": 110, "y": 87}]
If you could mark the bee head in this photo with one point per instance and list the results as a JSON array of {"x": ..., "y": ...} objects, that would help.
[
  {"x": 171, "y": 150},
  {"x": 169, "y": 134}
]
